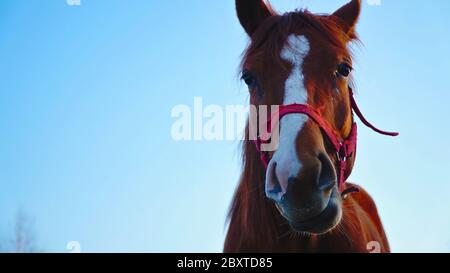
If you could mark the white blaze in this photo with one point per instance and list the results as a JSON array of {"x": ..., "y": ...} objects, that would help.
[{"x": 286, "y": 160}]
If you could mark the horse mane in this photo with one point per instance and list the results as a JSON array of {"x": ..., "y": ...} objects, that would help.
[{"x": 252, "y": 215}]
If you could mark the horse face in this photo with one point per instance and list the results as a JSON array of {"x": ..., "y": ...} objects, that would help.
[{"x": 298, "y": 58}]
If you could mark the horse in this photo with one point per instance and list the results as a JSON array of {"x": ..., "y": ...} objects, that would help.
[{"x": 296, "y": 198}]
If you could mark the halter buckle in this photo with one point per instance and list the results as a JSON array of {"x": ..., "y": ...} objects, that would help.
[{"x": 342, "y": 153}]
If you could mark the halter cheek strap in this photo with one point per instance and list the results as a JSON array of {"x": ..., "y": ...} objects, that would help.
[{"x": 344, "y": 148}]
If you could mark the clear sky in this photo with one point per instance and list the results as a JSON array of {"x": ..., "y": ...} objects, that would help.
[{"x": 86, "y": 94}]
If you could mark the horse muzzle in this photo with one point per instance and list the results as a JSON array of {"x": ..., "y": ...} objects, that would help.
[{"x": 311, "y": 201}]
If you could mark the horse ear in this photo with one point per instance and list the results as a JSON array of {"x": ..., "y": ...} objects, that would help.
[
  {"x": 347, "y": 17},
  {"x": 252, "y": 13}
]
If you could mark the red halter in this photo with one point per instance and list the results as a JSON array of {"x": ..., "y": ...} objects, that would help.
[{"x": 345, "y": 148}]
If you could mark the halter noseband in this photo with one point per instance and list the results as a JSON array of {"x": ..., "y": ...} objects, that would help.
[{"x": 344, "y": 148}]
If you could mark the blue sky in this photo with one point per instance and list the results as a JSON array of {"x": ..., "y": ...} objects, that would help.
[{"x": 86, "y": 94}]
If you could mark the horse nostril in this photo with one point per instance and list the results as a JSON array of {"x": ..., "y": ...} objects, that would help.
[
  {"x": 273, "y": 187},
  {"x": 327, "y": 176}
]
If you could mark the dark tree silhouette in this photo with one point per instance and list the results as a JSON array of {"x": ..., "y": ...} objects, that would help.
[{"x": 23, "y": 237}]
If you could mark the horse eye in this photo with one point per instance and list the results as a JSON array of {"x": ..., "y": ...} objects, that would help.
[
  {"x": 249, "y": 79},
  {"x": 344, "y": 70}
]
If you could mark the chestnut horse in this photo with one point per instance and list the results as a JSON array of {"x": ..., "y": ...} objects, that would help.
[{"x": 293, "y": 200}]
